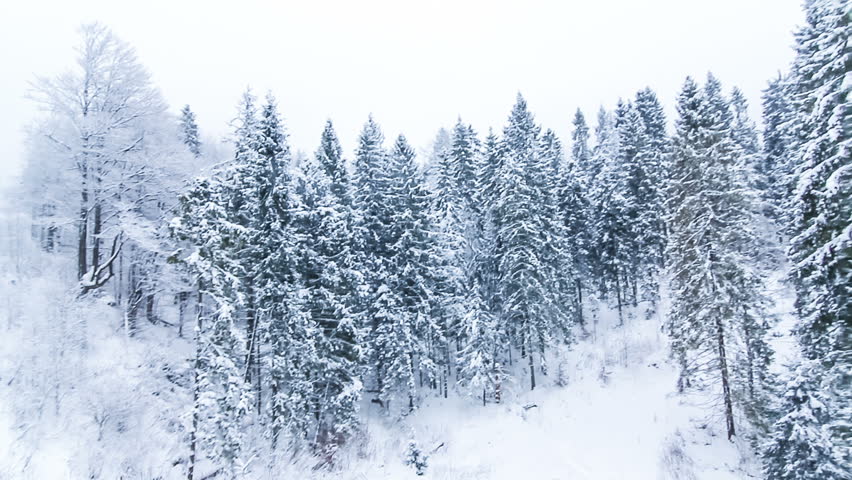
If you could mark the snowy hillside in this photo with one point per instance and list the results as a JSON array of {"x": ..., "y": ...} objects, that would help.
[{"x": 66, "y": 411}]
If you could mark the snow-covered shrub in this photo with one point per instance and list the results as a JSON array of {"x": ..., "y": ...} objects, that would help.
[
  {"x": 415, "y": 457},
  {"x": 675, "y": 464}
]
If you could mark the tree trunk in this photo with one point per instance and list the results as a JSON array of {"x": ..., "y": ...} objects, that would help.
[
  {"x": 618, "y": 299},
  {"x": 635, "y": 293},
  {"x": 498, "y": 387},
  {"x": 149, "y": 308},
  {"x": 83, "y": 227},
  {"x": 723, "y": 370},
  {"x": 531, "y": 363},
  {"x": 96, "y": 237},
  {"x": 182, "y": 299},
  {"x": 580, "y": 318},
  {"x": 134, "y": 298},
  {"x": 252, "y": 350},
  {"x": 195, "y": 393}
]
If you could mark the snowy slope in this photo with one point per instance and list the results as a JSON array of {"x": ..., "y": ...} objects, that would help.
[
  {"x": 616, "y": 418},
  {"x": 77, "y": 398}
]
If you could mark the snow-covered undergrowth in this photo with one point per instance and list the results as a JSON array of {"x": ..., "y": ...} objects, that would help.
[{"x": 78, "y": 399}]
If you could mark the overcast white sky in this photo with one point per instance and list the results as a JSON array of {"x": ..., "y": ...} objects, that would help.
[{"x": 416, "y": 65}]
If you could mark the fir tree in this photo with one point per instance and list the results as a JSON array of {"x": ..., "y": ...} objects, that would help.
[
  {"x": 327, "y": 268},
  {"x": 656, "y": 160},
  {"x": 581, "y": 155},
  {"x": 821, "y": 245},
  {"x": 575, "y": 208},
  {"x": 799, "y": 448},
  {"x": 189, "y": 129},
  {"x": 716, "y": 298},
  {"x": 614, "y": 240},
  {"x": 779, "y": 140},
  {"x": 523, "y": 242},
  {"x": 479, "y": 364},
  {"x": 411, "y": 270}
]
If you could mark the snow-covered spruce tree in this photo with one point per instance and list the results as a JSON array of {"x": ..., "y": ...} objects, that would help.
[
  {"x": 744, "y": 131},
  {"x": 641, "y": 209},
  {"x": 656, "y": 159},
  {"x": 779, "y": 143},
  {"x": 800, "y": 447},
  {"x": 456, "y": 218},
  {"x": 745, "y": 136},
  {"x": 380, "y": 304},
  {"x": 581, "y": 154},
  {"x": 189, "y": 131},
  {"x": 523, "y": 241},
  {"x": 326, "y": 264},
  {"x": 490, "y": 180},
  {"x": 282, "y": 325},
  {"x": 575, "y": 209},
  {"x": 821, "y": 245},
  {"x": 821, "y": 249},
  {"x": 479, "y": 366},
  {"x": 560, "y": 199},
  {"x": 716, "y": 315},
  {"x": 222, "y": 398},
  {"x": 411, "y": 267},
  {"x": 614, "y": 242}
]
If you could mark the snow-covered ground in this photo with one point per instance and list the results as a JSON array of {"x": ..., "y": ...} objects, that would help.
[
  {"x": 616, "y": 418},
  {"x": 78, "y": 398}
]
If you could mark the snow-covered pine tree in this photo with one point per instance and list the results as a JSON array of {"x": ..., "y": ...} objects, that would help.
[
  {"x": 575, "y": 180},
  {"x": 581, "y": 154},
  {"x": 821, "y": 245},
  {"x": 523, "y": 241},
  {"x": 380, "y": 304},
  {"x": 562, "y": 205},
  {"x": 716, "y": 297},
  {"x": 189, "y": 129},
  {"x": 478, "y": 360},
  {"x": 411, "y": 267},
  {"x": 330, "y": 158},
  {"x": 656, "y": 158},
  {"x": 464, "y": 149},
  {"x": 283, "y": 326},
  {"x": 799, "y": 447},
  {"x": 222, "y": 398},
  {"x": 641, "y": 210},
  {"x": 614, "y": 239},
  {"x": 779, "y": 142},
  {"x": 745, "y": 136},
  {"x": 327, "y": 268},
  {"x": 489, "y": 183},
  {"x": 456, "y": 207}
]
